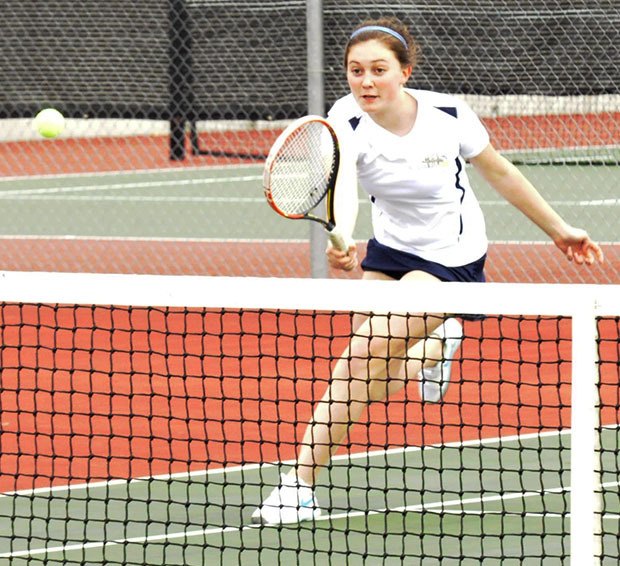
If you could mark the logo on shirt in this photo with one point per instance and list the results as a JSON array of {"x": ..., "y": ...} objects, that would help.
[{"x": 436, "y": 160}]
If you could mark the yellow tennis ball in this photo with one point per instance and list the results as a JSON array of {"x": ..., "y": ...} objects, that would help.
[{"x": 49, "y": 123}]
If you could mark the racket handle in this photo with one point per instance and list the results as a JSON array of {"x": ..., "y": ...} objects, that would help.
[{"x": 337, "y": 240}]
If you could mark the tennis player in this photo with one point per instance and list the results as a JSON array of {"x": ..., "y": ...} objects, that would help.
[{"x": 408, "y": 148}]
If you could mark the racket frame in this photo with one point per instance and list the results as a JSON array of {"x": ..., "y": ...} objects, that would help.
[{"x": 335, "y": 237}]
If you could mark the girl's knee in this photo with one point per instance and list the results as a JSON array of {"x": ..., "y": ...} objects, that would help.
[{"x": 377, "y": 389}]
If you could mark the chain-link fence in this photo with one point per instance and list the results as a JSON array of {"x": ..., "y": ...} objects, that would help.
[{"x": 172, "y": 105}]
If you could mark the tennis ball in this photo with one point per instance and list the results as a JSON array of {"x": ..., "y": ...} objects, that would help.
[{"x": 49, "y": 123}]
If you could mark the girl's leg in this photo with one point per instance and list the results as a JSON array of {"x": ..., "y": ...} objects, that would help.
[{"x": 371, "y": 368}]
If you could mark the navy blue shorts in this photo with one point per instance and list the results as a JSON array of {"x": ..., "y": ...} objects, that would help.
[{"x": 397, "y": 264}]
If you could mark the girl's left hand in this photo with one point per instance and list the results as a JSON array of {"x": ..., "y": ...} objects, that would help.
[{"x": 578, "y": 247}]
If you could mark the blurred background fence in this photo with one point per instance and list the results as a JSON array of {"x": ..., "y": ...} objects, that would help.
[{"x": 172, "y": 106}]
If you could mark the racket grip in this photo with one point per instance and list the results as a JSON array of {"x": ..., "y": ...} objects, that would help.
[{"x": 337, "y": 239}]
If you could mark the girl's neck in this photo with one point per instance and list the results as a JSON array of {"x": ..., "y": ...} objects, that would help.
[{"x": 400, "y": 118}]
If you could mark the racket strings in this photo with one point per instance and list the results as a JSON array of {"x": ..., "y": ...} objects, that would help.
[{"x": 303, "y": 168}]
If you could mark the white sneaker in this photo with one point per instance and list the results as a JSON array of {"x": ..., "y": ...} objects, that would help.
[
  {"x": 291, "y": 502},
  {"x": 434, "y": 381}
]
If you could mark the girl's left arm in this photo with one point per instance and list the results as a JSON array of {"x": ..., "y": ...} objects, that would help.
[{"x": 509, "y": 182}]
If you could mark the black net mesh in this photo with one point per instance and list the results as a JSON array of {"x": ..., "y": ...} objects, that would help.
[{"x": 150, "y": 435}]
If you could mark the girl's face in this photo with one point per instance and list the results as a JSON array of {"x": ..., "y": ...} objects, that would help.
[{"x": 375, "y": 76}]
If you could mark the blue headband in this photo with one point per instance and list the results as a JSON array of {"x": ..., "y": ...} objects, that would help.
[{"x": 384, "y": 30}]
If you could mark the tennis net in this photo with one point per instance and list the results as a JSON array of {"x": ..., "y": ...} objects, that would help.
[{"x": 144, "y": 418}]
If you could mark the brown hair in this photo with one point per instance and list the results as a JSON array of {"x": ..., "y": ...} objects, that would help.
[{"x": 406, "y": 54}]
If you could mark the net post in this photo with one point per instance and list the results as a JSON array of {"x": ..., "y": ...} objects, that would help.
[
  {"x": 585, "y": 504},
  {"x": 316, "y": 105}
]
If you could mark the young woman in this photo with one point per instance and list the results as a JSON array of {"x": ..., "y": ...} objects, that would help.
[{"x": 409, "y": 147}]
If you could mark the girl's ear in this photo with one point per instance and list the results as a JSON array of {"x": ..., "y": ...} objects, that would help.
[{"x": 406, "y": 73}]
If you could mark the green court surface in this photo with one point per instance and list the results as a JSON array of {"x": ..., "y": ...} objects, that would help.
[
  {"x": 490, "y": 498},
  {"x": 228, "y": 203}
]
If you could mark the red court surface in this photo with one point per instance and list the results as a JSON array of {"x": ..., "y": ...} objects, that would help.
[{"x": 91, "y": 393}]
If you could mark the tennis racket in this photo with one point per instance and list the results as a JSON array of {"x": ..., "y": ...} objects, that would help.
[{"x": 301, "y": 170}]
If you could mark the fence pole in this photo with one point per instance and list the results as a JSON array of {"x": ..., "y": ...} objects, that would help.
[
  {"x": 179, "y": 65},
  {"x": 316, "y": 105}
]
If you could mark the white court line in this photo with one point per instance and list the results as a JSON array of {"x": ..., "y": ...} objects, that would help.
[
  {"x": 232, "y": 240},
  {"x": 98, "y": 198},
  {"x": 338, "y": 458},
  {"x": 482, "y": 512},
  {"x": 48, "y": 191},
  {"x": 247, "y": 467},
  {"x": 60, "y": 193},
  {"x": 156, "y": 240},
  {"x": 439, "y": 506},
  {"x": 127, "y": 173},
  {"x": 221, "y": 530},
  {"x": 593, "y": 202},
  {"x": 435, "y": 507}
]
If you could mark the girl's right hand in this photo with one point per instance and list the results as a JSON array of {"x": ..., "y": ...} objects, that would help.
[{"x": 347, "y": 261}]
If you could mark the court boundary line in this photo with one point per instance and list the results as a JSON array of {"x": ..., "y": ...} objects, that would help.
[
  {"x": 573, "y": 203},
  {"x": 434, "y": 507},
  {"x": 260, "y": 465},
  {"x": 68, "y": 192},
  {"x": 128, "y": 172},
  {"x": 70, "y": 237},
  {"x": 33, "y": 193},
  {"x": 149, "y": 239}
]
